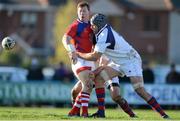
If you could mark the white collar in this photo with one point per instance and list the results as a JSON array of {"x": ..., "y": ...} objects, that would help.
[{"x": 82, "y": 21}]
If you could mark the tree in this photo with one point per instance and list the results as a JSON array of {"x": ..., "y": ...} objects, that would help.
[
  {"x": 11, "y": 58},
  {"x": 64, "y": 17}
]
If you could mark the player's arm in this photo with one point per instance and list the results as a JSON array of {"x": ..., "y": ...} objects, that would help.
[
  {"x": 93, "y": 56},
  {"x": 99, "y": 48},
  {"x": 66, "y": 40},
  {"x": 68, "y": 37},
  {"x": 70, "y": 48}
]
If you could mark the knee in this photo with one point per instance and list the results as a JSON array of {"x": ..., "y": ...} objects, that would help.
[
  {"x": 99, "y": 81},
  {"x": 89, "y": 86},
  {"x": 138, "y": 85}
]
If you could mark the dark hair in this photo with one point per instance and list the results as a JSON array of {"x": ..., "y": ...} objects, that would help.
[{"x": 83, "y": 4}]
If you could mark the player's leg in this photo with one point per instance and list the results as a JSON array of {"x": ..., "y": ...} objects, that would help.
[
  {"x": 75, "y": 97},
  {"x": 83, "y": 96},
  {"x": 75, "y": 91},
  {"x": 104, "y": 74},
  {"x": 100, "y": 94},
  {"x": 138, "y": 86},
  {"x": 117, "y": 98},
  {"x": 87, "y": 86},
  {"x": 137, "y": 81},
  {"x": 82, "y": 70},
  {"x": 133, "y": 69},
  {"x": 101, "y": 78}
]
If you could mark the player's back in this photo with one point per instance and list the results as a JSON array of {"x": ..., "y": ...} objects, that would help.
[
  {"x": 118, "y": 48},
  {"x": 120, "y": 43}
]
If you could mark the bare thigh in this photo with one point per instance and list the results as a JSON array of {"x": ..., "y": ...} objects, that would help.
[
  {"x": 86, "y": 81},
  {"x": 99, "y": 82},
  {"x": 111, "y": 72}
]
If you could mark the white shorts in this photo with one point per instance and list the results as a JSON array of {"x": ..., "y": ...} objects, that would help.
[
  {"x": 132, "y": 67},
  {"x": 82, "y": 65}
]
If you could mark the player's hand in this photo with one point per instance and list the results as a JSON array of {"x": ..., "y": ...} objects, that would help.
[
  {"x": 79, "y": 54},
  {"x": 73, "y": 56},
  {"x": 98, "y": 70},
  {"x": 91, "y": 75},
  {"x": 103, "y": 61}
]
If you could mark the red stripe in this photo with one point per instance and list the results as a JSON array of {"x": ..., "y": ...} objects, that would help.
[
  {"x": 151, "y": 102},
  {"x": 100, "y": 99},
  {"x": 124, "y": 107},
  {"x": 84, "y": 110},
  {"x": 84, "y": 96},
  {"x": 101, "y": 107},
  {"x": 84, "y": 101},
  {"x": 75, "y": 109},
  {"x": 82, "y": 69},
  {"x": 78, "y": 102},
  {"x": 100, "y": 90},
  {"x": 156, "y": 106}
]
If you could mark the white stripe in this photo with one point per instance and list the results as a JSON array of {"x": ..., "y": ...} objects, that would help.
[
  {"x": 77, "y": 105},
  {"x": 85, "y": 95},
  {"x": 87, "y": 99},
  {"x": 84, "y": 104}
]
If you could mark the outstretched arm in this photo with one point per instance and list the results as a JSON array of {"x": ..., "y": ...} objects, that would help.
[{"x": 93, "y": 56}]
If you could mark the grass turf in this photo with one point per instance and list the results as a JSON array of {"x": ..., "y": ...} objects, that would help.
[{"x": 60, "y": 114}]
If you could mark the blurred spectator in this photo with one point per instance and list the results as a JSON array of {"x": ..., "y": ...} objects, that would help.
[
  {"x": 48, "y": 73},
  {"x": 35, "y": 70},
  {"x": 63, "y": 73},
  {"x": 148, "y": 74},
  {"x": 173, "y": 76}
]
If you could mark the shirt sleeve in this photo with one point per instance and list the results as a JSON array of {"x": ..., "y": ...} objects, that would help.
[
  {"x": 101, "y": 44},
  {"x": 72, "y": 30}
]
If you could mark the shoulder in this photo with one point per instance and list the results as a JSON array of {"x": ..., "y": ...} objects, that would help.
[
  {"x": 74, "y": 24},
  {"x": 72, "y": 27},
  {"x": 103, "y": 33}
]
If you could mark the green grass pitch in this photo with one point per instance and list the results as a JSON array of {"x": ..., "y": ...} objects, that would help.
[{"x": 60, "y": 114}]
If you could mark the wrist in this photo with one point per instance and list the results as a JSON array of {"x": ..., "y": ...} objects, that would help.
[{"x": 71, "y": 48}]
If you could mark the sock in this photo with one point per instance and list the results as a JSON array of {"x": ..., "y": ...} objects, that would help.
[
  {"x": 126, "y": 108},
  {"x": 84, "y": 102},
  {"x": 76, "y": 106},
  {"x": 155, "y": 106},
  {"x": 100, "y": 93}
]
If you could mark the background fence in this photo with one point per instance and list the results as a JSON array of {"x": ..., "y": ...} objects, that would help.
[{"x": 56, "y": 92}]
